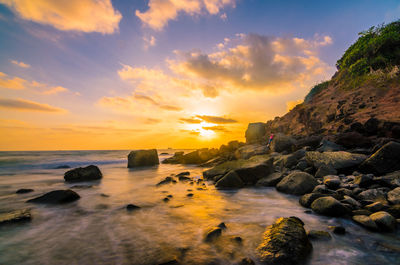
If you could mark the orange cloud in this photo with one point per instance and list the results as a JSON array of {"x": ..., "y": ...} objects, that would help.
[
  {"x": 27, "y": 105},
  {"x": 216, "y": 119},
  {"x": 71, "y": 15},
  {"x": 20, "y": 64},
  {"x": 15, "y": 83},
  {"x": 161, "y": 11}
]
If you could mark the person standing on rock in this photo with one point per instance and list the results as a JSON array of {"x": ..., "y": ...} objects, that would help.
[{"x": 271, "y": 137}]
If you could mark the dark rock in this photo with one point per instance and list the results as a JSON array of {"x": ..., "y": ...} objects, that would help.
[
  {"x": 285, "y": 243},
  {"x": 246, "y": 261},
  {"x": 213, "y": 234},
  {"x": 329, "y": 206},
  {"x": 230, "y": 180},
  {"x": 185, "y": 173},
  {"x": 255, "y": 133},
  {"x": 56, "y": 197},
  {"x": 270, "y": 180},
  {"x": 332, "y": 181},
  {"x": 302, "y": 165},
  {"x": 131, "y": 207},
  {"x": 376, "y": 206},
  {"x": 21, "y": 191},
  {"x": 365, "y": 221},
  {"x": 337, "y": 160},
  {"x": 384, "y": 221},
  {"x": 81, "y": 186},
  {"x": 189, "y": 195},
  {"x": 318, "y": 235},
  {"x": 237, "y": 239},
  {"x": 325, "y": 170},
  {"x": 184, "y": 178},
  {"x": 170, "y": 262},
  {"x": 363, "y": 180},
  {"x": 297, "y": 183},
  {"x": 282, "y": 143},
  {"x": 15, "y": 217},
  {"x": 104, "y": 195},
  {"x": 352, "y": 140},
  {"x": 385, "y": 160},
  {"x": 222, "y": 226},
  {"x": 169, "y": 196},
  {"x": 323, "y": 190},
  {"x": 311, "y": 141},
  {"x": 307, "y": 199},
  {"x": 166, "y": 199},
  {"x": 371, "y": 126},
  {"x": 394, "y": 210},
  {"x": 140, "y": 158},
  {"x": 247, "y": 151},
  {"x": 62, "y": 167},
  {"x": 344, "y": 191},
  {"x": 372, "y": 195},
  {"x": 361, "y": 212},
  {"x": 328, "y": 146},
  {"x": 83, "y": 174},
  {"x": 394, "y": 196},
  {"x": 338, "y": 230},
  {"x": 167, "y": 180},
  {"x": 251, "y": 173},
  {"x": 350, "y": 201}
]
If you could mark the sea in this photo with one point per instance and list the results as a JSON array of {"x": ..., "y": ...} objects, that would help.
[{"x": 97, "y": 228}]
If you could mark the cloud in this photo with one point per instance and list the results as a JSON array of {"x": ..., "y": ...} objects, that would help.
[
  {"x": 27, "y": 105},
  {"x": 216, "y": 128},
  {"x": 161, "y": 11},
  {"x": 152, "y": 121},
  {"x": 145, "y": 98},
  {"x": 190, "y": 120},
  {"x": 149, "y": 42},
  {"x": 72, "y": 15},
  {"x": 170, "y": 107},
  {"x": 216, "y": 119},
  {"x": 54, "y": 90},
  {"x": 20, "y": 64},
  {"x": 291, "y": 104},
  {"x": 256, "y": 62},
  {"x": 15, "y": 83}
]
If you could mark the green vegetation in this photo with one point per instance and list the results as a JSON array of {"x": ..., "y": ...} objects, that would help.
[{"x": 373, "y": 59}]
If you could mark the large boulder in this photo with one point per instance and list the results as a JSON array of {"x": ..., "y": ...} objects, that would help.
[
  {"x": 297, "y": 183},
  {"x": 140, "y": 158},
  {"x": 394, "y": 196},
  {"x": 83, "y": 174},
  {"x": 56, "y": 197},
  {"x": 199, "y": 156},
  {"x": 285, "y": 243},
  {"x": 255, "y": 133},
  {"x": 289, "y": 161},
  {"x": 15, "y": 217},
  {"x": 385, "y": 160},
  {"x": 282, "y": 143},
  {"x": 251, "y": 173},
  {"x": 328, "y": 146},
  {"x": 307, "y": 199},
  {"x": 384, "y": 221},
  {"x": 229, "y": 180},
  {"x": 247, "y": 151},
  {"x": 372, "y": 195},
  {"x": 365, "y": 221},
  {"x": 270, "y": 180},
  {"x": 329, "y": 206},
  {"x": 337, "y": 160}
]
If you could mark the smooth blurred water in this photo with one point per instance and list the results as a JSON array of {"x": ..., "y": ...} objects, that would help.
[{"x": 98, "y": 229}]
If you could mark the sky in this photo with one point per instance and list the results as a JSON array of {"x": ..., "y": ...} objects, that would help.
[{"x": 130, "y": 74}]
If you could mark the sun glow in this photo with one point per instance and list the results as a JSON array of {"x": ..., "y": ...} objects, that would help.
[{"x": 199, "y": 128}]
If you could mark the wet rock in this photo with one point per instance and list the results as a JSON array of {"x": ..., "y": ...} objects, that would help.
[
  {"x": 252, "y": 172},
  {"x": 394, "y": 196},
  {"x": 83, "y": 174},
  {"x": 329, "y": 206},
  {"x": 365, "y": 221},
  {"x": 189, "y": 195},
  {"x": 325, "y": 170},
  {"x": 57, "y": 197},
  {"x": 167, "y": 180},
  {"x": 131, "y": 207},
  {"x": 361, "y": 212},
  {"x": 21, "y": 191},
  {"x": 184, "y": 178},
  {"x": 363, "y": 180},
  {"x": 104, "y": 195},
  {"x": 337, "y": 160},
  {"x": 141, "y": 158},
  {"x": 318, "y": 235},
  {"x": 247, "y": 151},
  {"x": 385, "y": 160},
  {"x": 394, "y": 210},
  {"x": 166, "y": 199},
  {"x": 307, "y": 199},
  {"x": 338, "y": 230},
  {"x": 344, "y": 191},
  {"x": 332, "y": 181},
  {"x": 169, "y": 196},
  {"x": 237, "y": 239},
  {"x": 289, "y": 161},
  {"x": 213, "y": 234},
  {"x": 229, "y": 180},
  {"x": 282, "y": 143},
  {"x": 246, "y": 261},
  {"x": 372, "y": 195},
  {"x": 255, "y": 133},
  {"x": 285, "y": 243},
  {"x": 222, "y": 226},
  {"x": 376, "y": 206},
  {"x": 270, "y": 180},
  {"x": 328, "y": 146},
  {"x": 384, "y": 221},
  {"x": 349, "y": 200},
  {"x": 297, "y": 183},
  {"x": 323, "y": 190},
  {"x": 15, "y": 217}
]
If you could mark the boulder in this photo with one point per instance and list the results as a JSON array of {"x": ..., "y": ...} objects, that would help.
[
  {"x": 376, "y": 206},
  {"x": 328, "y": 146},
  {"x": 167, "y": 180},
  {"x": 289, "y": 161},
  {"x": 175, "y": 159},
  {"x": 83, "y": 174},
  {"x": 394, "y": 210},
  {"x": 337, "y": 160},
  {"x": 285, "y": 243},
  {"x": 384, "y": 221},
  {"x": 21, "y": 191},
  {"x": 247, "y": 151},
  {"x": 365, "y": 221},
  {"x": 255, "y": 133},
  {"x": 350, "y": 201},
  {"x": 363, "y": 180},
  {"x": 199, "y": 156},
  {"x": 307, "y": 199},
  {"x": 319, "y": 235},
  {"x": 251, "y": 173},
  {"x": 140, "y": 158},
  {"x": 212, "y": 234},
  {"x": 282, "y": 143},
  {"x": 394, "y": 196},
  {"x": 270, "y": 180},
  {"x": 15, "y": 217},
  {"x": 56, "y": 197},
  {"x": 385, "y": 160},
  {"x": 372, "y": 195},
  {"x": 325, "y": 170},
  {"x": 229, "y": 180},
  {"x": 297, "y": 183},
  {"x": 329, "y": 206},
  {"x": 332, "y": 182},
  {"x": 352, "y": 140},
  {"x": 310, "y": 141},
  {"x": 132, "y": 207},
  {"x": 246, "y": 261}
]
